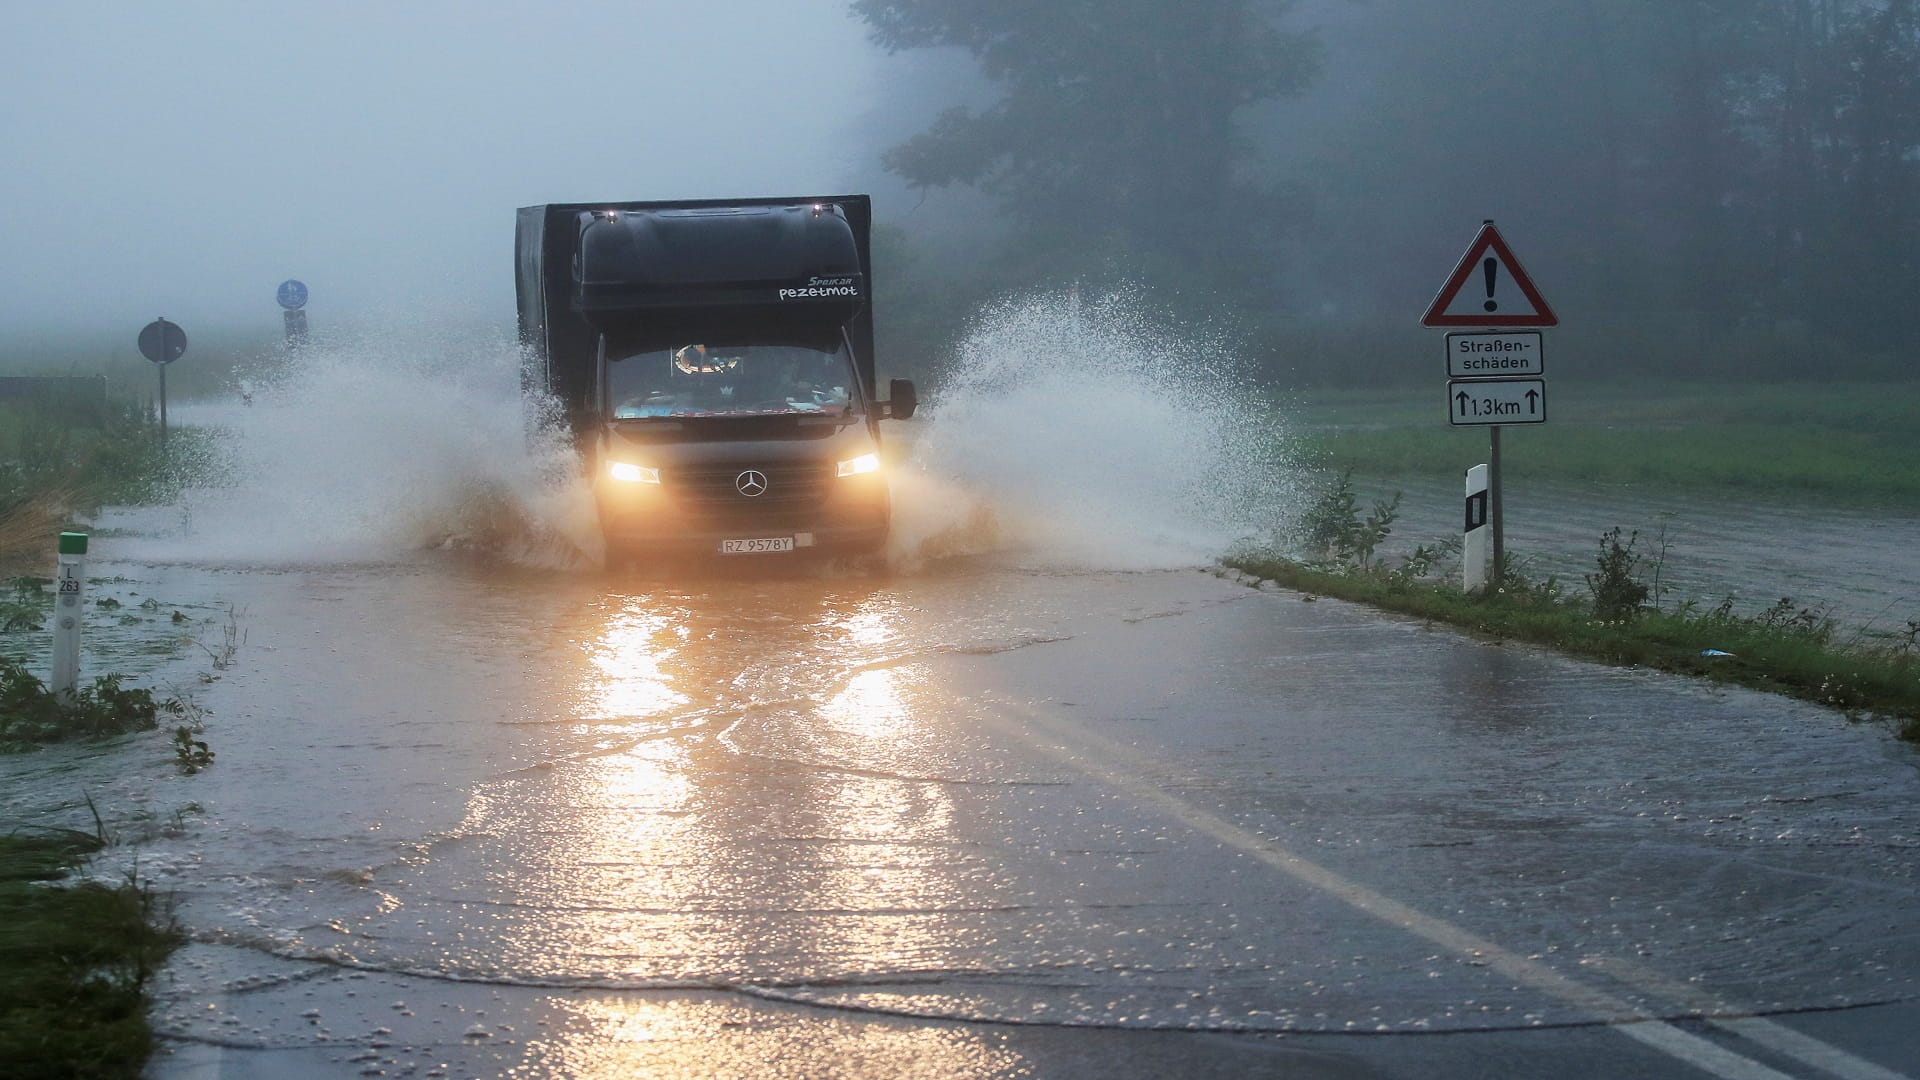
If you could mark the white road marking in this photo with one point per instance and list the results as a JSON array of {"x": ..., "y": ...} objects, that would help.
[
  {"x": 1064, "y": 740},
  {"x": 1805, "y": 1048},
  {"x": 1727, "y": 1016}
]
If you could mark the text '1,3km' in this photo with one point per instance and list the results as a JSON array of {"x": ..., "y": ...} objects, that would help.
[{"x": 1497, "y": 401}]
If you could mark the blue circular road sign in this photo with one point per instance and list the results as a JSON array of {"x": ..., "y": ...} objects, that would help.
[{"x": 292, "y": 294}]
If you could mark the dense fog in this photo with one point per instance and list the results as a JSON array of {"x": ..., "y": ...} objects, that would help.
[
  {"x": 186, "y": 158},
  {"x": 1698, "y": 187}
]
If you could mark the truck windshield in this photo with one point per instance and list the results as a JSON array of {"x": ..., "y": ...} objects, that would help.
[{"x": 699, "y": 379}]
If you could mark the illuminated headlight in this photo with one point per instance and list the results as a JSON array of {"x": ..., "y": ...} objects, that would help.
[
  {"x": 865, "y": 463},
  {"x": 633, "y": 474}
]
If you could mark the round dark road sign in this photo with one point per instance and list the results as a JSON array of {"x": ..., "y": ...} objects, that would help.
[
  {"x": 292, "y": 294},
  {"x": 162, "y": 342}
]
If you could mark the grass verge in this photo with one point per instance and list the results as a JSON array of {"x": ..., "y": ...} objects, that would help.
[
  {"x": 55, "y": 465},
  {"x": 1857, "y": 443},
  {"x": 75, "y": 961},
  {"x": 1785, "y": 649}
]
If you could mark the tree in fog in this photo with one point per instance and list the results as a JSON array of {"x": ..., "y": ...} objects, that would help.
[
  {"x": 1113, "y": 145},
  {"x": 1789, "y": 155},
  {"x": 1730, "y": 184},
  {"x": 1845, "y": 139},
  {"x": 1713, "y": 186}
]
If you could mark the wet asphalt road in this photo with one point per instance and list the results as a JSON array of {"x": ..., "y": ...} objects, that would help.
[{"x": 469, "y": 820}]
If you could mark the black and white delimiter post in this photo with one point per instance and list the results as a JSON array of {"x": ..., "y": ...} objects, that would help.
[{"x": 1474, "y": 541}]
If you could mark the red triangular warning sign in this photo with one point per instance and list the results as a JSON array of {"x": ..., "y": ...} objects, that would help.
[{"x": 1489, "y": 288}]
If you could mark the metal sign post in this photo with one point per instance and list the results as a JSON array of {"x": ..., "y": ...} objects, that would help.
[
  {"x": 1496, "y": 510},
  {"x": 162, "y": 342}
]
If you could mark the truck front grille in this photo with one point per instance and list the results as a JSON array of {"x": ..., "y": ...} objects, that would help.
[{"x": 714, "y": 490}]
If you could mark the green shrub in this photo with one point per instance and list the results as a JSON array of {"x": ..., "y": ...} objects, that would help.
[
  {"x": 31, "y": 714},
  {"x": 1618, "y": 593},
  {"x": 1333, "y": 532}
]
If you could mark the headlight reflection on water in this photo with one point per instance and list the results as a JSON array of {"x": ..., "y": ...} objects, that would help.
[
  {"x": 754, "y": 807},
  {"x": 870, "y": 706},
  {"x": 603, "y": 1038},
  {"x": 631, "y": 657}
]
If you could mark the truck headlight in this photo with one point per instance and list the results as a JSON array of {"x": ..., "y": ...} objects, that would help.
[
  {"x": 633, "y": 474},
  {"x": 865, "y": 463}
]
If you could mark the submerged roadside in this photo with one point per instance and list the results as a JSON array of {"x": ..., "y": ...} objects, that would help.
[
  {"x": 1781, "y": 650},
  {"x": 77, "y": 956},
  {"x": 1616, "y": 609},
  {"x": 75, "y": 961}
]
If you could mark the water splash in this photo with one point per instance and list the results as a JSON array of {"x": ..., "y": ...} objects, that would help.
[
  {"x": 378, "y": 445},
  {"x": 1084, "y": 434},
  {"x": 1074, "y": 435}
]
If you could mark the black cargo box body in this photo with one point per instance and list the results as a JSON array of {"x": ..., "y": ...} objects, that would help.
[{"x": 652, "y": 274}]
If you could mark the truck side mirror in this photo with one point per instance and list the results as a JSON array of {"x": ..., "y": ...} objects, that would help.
[{"x": 903, "y": 400}]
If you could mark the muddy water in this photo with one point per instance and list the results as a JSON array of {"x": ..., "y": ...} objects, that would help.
[
  {"x": 480, "y": 806},
  {"x": 559, "y": 781},
  {"x": 481, "y": 814}
]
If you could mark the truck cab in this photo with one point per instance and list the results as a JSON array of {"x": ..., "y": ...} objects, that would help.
[{"x": 714, "y": 362}]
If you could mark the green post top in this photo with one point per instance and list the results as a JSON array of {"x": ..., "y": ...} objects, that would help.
[{"x": 72, "y": 543}]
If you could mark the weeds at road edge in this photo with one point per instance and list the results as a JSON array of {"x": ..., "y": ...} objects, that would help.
[
  {"x": 231, "y": 638},
  {"x": 26, "y": 605},
  {"x": 1787, "y": 648},
  {"x": 75, "y": 961},
  {"x": 189, "y": 753},
  {"x": 1618, "y": 594},
  {"x": 31, "y": 714},
  {"x": 1333, "y": 533}
]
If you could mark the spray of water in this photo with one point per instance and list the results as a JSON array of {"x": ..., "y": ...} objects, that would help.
[
  {"x": 378, "y": 445},
  {"x": 1082, "y": 433},
  {"x": 1072, "y": 434}
]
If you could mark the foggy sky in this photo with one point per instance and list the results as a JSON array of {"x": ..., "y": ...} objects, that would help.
[{"x": 184, "y": 158}]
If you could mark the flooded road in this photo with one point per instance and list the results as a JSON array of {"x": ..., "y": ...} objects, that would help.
[
  {"x": 473, "y": 820},
  {"x": 1043, "y": 797}
]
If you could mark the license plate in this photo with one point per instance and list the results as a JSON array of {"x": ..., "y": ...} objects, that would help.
[{"x": 756, "y": 547}]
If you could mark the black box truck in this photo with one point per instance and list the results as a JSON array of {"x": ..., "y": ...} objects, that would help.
[{"x": 713, "y": 360}]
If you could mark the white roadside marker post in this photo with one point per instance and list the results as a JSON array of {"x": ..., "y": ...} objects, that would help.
[
  {"x": 67, "y": 607},
  {"x": 1473, "y": 543}
]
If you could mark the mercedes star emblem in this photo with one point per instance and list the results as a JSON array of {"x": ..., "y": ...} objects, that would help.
[{"x": 750, "y": 483}]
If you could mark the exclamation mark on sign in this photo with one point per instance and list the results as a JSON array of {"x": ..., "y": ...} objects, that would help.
[{"x": 1491, "y": 268}]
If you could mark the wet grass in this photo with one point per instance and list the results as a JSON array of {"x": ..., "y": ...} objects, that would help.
[
  {"x": 1617, "y": 618},
  {"x": 1852, "y": 442},
  {"x": 56, "y": 464},
  {"x": 108, "y": 456},
  {"x": 32, "y": 715},
  {"x": 75, "y": 961},
  {"x": 1801, "y": 661}
]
